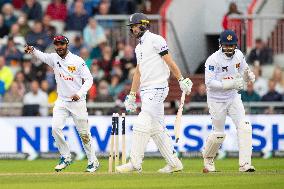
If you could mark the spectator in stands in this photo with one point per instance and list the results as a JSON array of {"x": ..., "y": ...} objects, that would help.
[
  {"x": 78, "y": 20},
  {"x": 249, "y": 95},
  {"x": 106, "y": 62},
  {"x": 115, "y": 85},
  {"x": 32, "y": 9},
  {"x": 272, "y": 94},
  {"x": 50, "y": 78},
  {"x": 200, "y": 96},
  {"x": 128, "y": 61},
  {"x": 8, "y": 13},
  {"x": 118, "y": 52},
  {"x": 47, "y": 27},
  {"x": 3, "y": 2},
  {"x": 85, "y": 54},
  {"x": 261, "y": 84},
  {"x": 37, "y": 97},
  {"x": 78, "y": 44},
  {"x": 104, "y": 8},
  {"x": 10, "y": 52},
  {"x": 12, "y": 96},
  {"x": 44, "y": 86},
  {"x": 97, "y": 73},
  {"x": 18, "y": 4},
  {"x": 261, "y": 54},
  {"x": 38, "y": 37},
  {"x": 19, "y": 39},
  {"x": 6, "y": 76},
  {"x": 4, "y": 30},
  {"x": 233, "y": 10},
  {"x": 20, "y": 80},
  {"x": 123, "y": 7},
  {"x": 103, "y": 92},
  {"x": 89, "y": 5},
  {"x": 23, "y": 25},
  {"x": 279, "y": 79},
  {"x": 57, "y": 10},
  {"x": 28, "y": 69},
  {"x": 93, "y": 34}
]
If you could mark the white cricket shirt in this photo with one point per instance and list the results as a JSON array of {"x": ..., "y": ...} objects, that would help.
[
  {"x": 153, "y": 69},
  {"x": 71, "y": 74},
  {"x": 217, "y": 67}
]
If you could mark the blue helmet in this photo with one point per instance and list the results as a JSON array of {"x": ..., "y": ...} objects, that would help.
[
  {"x": 139, "y": 18},
  {"x": 228, "y": 42}
]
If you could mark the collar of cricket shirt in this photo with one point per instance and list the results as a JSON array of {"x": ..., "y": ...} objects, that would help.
[{"x": 141, "y": 40}]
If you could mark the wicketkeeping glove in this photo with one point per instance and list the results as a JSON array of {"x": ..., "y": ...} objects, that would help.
[
  {"x": 236, "y": 82},
  {"x": 248, "y": 75},
  {"x": 185, "y": 85},
  {"x": 130, "y": 102}
]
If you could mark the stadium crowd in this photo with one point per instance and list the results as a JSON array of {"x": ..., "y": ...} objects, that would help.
[{"x": 25, "y": 80}]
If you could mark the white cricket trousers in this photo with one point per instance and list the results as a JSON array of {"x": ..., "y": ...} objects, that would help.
[
  {"x": 234, "y": 109},
  {"x": 78, "y": 111},
  {"x": 150, "y": 124}
]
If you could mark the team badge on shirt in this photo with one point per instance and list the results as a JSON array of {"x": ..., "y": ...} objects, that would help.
[
  {"x": 225, "y": 69},
  {"x": 238, "y": 65},
  {"x": 71, "y": 68}
]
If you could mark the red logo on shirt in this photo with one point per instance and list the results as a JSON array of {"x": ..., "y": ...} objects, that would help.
[{"x": 67, "y": 78}]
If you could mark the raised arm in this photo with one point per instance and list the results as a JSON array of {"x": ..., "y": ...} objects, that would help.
[{"x": 44, "y": 57}]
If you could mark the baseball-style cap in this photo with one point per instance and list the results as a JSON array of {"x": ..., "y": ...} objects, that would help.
[{"x": 60, "y": 39}]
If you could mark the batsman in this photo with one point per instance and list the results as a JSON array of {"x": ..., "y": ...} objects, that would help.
[
  {"x": 154, "y": 64},
  {"x": 226, "y": 72}
]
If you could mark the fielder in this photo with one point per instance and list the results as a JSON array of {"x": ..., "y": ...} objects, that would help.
[
  {"x": 226, "y": 71},
  {"x": 152, "y": 72},
  {"x": 73, "y": 80}
]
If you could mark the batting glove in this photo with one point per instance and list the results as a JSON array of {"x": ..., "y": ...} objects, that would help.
[
  {"x": 130, "y": 102},
  {"x": 249, "y": 75},
  {"x": 185, "y": 85},
  {"x": 236, "y": 82}
]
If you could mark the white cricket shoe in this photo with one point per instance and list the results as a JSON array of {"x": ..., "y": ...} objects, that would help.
[
  {"x": 63, "y": 163},
  {"x": 209, "y": 165},
  {"x": 170, "y": 169},
  {"x": 93, "y": 167},
  {"x": 127, "y": 168},
  {"x": 247, "y": 168}
]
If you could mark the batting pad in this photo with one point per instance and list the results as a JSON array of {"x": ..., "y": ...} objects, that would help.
[
  {"x": 138, "y": 147},
  {"x": 164, "y": 144},
  {"x": 213, "y": 144},
  {"x": 245, "y": 142}
]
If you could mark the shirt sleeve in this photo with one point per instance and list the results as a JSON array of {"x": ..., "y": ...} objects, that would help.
[
  {"x": 210, "y": 75},
  {"x": 243, "y": 64},
  {"x": 137, "y": 54},
  {"x": 87, "y": 79},
  {"x": 160, "y": 45},
  {"x": 44, "y": 57}
]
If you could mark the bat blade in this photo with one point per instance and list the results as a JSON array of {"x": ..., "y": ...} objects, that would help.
[{"x": 177, "y": 124}]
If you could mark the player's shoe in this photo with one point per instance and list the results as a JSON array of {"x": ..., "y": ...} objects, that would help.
[
  {"x": 127, "y": 168},
  {"x": 63, "y": 163},
  {"x": 209, "y": 165},
  {"x": 93, "y": 167},
  {"x": 170, "y": 169},
  {"x": 247, "y": 168}
]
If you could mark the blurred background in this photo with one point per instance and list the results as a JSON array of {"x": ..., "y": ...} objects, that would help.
[{"x": 97, "y": 32}]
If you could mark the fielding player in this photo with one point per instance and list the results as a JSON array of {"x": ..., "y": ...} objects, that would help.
[
  {"x": 154, "y": 64},
  {"x": 226, "y": 71},
  {"x": 73, "y": 80}
]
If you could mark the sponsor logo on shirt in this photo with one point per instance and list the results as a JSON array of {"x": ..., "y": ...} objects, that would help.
[
  {"x": 225, "y": 69},
  {"x": 59, "y": 65},
  {"x": 66, "y": 78},
  {"x": 164, "y": 48},
  {"x": 71, "y": 68},
  {"x": 211, "y": 68}
]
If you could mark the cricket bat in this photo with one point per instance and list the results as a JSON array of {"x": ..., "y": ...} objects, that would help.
[{"x": 177, "y": 123}]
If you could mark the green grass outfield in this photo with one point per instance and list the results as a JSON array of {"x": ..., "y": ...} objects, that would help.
[{"x": 39, "y": 174}]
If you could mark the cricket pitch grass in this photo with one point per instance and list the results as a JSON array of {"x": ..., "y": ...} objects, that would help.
[{"x": 39, "y": 174}]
